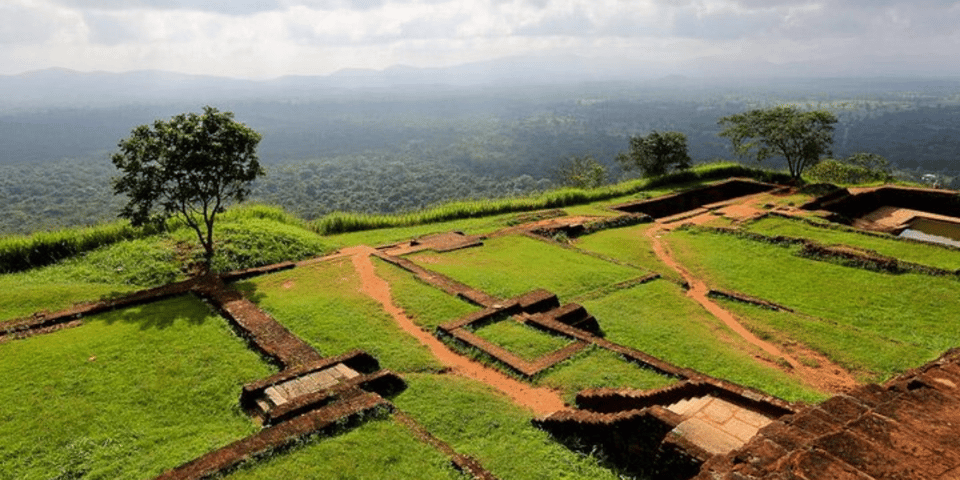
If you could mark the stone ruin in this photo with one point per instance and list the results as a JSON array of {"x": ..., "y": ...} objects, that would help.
[{"x": 906, "y": 428}]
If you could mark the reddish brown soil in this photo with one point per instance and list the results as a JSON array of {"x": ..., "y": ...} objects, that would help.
[
  {"x": 826, "y": 377},
  {"x": 550, "y": 223},
  {"x": 541, "y": 401},
  {"x": 741, "y": 211},
  {"x": 440, "y": 242}
]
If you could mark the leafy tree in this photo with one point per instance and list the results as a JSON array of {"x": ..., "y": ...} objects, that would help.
[
  {"x": 656, "y": 154},
  {"x": 857, "y": 168},
  {"x": 785, "y": 131},
  {"x": 875, "y": 163},
  {"x": 581, "y": 172},
  {"x": 191, "y": 166}
]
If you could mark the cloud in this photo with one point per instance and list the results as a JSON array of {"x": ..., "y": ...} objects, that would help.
[
  {"x": 231, "y": 7},
  {"x": 725, "y": 25},
  {"x": 262, "y": 37},
  {"x": 19, "y": 24}
]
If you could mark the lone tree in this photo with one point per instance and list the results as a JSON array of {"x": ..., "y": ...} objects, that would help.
[
  {"x": 783, "y": 131},
  {"x": 656, "y": 153},
  {"x": 191, "y": 165}
]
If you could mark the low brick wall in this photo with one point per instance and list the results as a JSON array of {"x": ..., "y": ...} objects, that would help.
[
  {"x": 674, "y": 204},
  {"x": 279, "y": 436},
  {"x": 43, "y": 322}
]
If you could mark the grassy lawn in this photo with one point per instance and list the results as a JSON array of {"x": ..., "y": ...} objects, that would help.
[
  {"x": 111, "y": 270},
  {"x": 513, "y": 265},
  {"x": 915, "y": 252},
  {"x": 383, "y": 236},
  {"x": 629, "y": 245},
  {"x": 323, "y": 305},
  {"x": 123, "y": 267},
  {"x": 479, "y": 422},
  {"x": 127, "y": 395},
  {"x": 24, "y": 294},
  {"x": 910, "y": 308},
  {"x": 875, "y": 358},
  {"x": 522, "y": 340},
  {"x": 658, "y": 319},
  {"x": 596, "y": 368},
  {"x": 428, "y": 306},
  {"x": 379, "y": 449}
]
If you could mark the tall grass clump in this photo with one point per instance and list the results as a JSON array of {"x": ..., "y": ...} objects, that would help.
[
  {"x": 23, "y": 252},
  {"x": 342, "y": 222}
]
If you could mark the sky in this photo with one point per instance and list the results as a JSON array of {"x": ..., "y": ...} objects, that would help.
[{"x": 262, "y": 39}]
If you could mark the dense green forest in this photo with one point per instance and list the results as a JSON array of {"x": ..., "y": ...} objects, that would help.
[{"x": 385, "y": 151}]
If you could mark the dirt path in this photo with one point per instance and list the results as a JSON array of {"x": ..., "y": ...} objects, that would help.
[
  {"x": 542, "y": 401},
  {"x": 827, "y": 377}
]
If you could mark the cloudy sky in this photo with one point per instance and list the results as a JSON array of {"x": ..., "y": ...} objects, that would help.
[{"x": 270, "y": 38}]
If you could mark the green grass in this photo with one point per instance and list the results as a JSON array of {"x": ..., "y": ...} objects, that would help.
[
  {"x": 255, "y": 242},
  {"x": 658, "y": 319},
  {"x": 23, "y": 252},
  {"x": 597, "y": 368},
  {"x": 127, "y": 395},
  {"x": 383, "y": 236},
  {"x": 629, "y": 245},
  {"x": 246, "y": 238},
  {"x": 379, "y": 449},
  {"x": 111, "y": 270},
  {"x": 340, "y": 222},
  {"x": 323, "y": 305},
  {"x": 875, "y": 358},
  {"x": 477, "y": 421},
  {"x": 513, "y": 265},
  {"x": 910, "y": 308},
  {"x": 914, "y": 252},
  {"x": 522, "y": 340},
  {"x": 428, "y": 306}
]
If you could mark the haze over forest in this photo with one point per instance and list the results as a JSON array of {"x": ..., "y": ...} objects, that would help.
[{"x": 407, "y": 138}]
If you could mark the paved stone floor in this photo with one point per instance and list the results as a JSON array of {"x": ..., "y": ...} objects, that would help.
[{"x": 717, "y": 425}]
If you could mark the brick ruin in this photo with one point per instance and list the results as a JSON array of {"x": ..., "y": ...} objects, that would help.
[
  {"x": 671, "y": 431},
  {"x": 923, "y": 214},
  {"x": 906, "y": 428},
  {"x": 310, "y": 395},
  {"x": 700, "y": 427},
  {"x": 667, "y": 433},
  {"x": 697, "y": 200}
]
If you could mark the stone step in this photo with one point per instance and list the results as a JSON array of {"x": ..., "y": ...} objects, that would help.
[
  {"x": 275, "y": 396},
  {"x": 284, "y": 392},
  {"x": 264, "y": 404},
  {"x": 678, "y": 406},
  {"x": 691, "y": 405},
  {"x": 344, "y": 371}
]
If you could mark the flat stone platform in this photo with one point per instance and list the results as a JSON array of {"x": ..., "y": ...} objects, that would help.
[{"x": 716, "y": 425}]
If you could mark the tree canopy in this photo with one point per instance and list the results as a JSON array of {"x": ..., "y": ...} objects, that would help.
[
  {"x": 191, "y": 165},
  {"x": 860, "y": 167},
  {"x": 801, "y": 138},
  {"x": 656, "y": 153},
  {"x": 581, "y": 172}
]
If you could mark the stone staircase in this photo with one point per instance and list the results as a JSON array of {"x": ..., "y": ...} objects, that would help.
[
  {"x": 716, "y": 425},
  {"x": 285, "y": 392},
  {"x": 313, "y": 385},
  {"x": 687, "y": 406}
]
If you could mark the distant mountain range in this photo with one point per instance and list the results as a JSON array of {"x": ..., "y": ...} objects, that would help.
[{"x": 58, "y": 87}]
